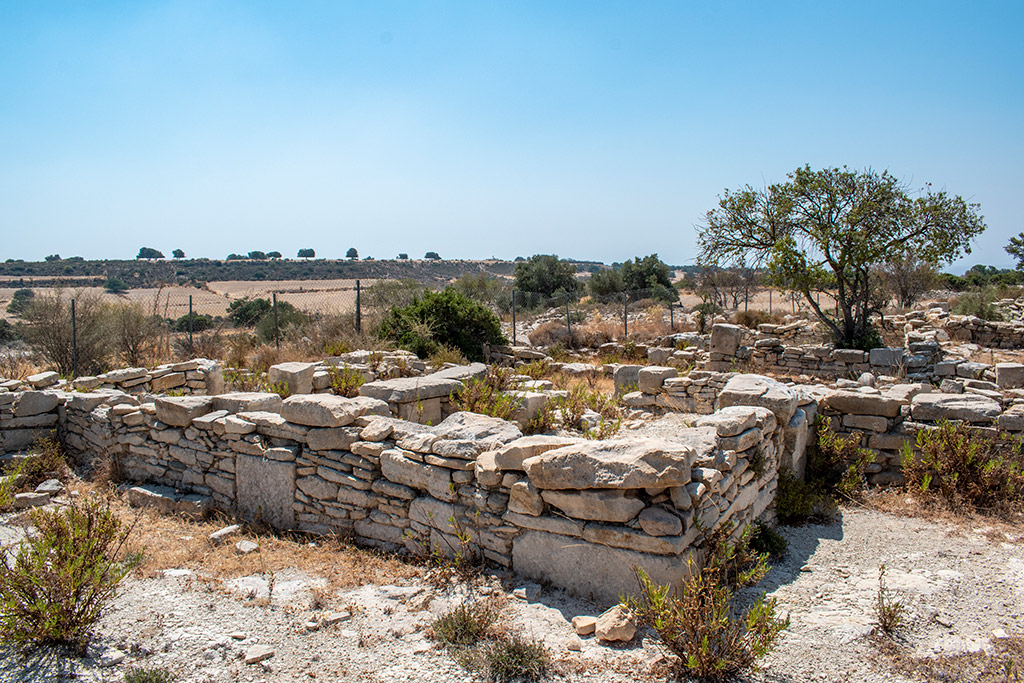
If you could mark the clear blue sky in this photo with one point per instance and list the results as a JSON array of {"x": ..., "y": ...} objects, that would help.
[{"x": 597, "y": 130}]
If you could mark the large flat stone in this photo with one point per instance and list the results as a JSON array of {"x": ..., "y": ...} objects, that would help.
[
  {"x": 968, "y": 407},
  {"x": 863, "y": 403},
  {"x": 652, "y": 377},
  {"x": 511, "y": 455},
  {"x": 730, "y": 421},
  {"x": 29, "y": 403},
  {"x": 319, "y": 410},
  {"x": 436, "y": 481},
  {"x": 598, "y": 505},
  {"x": 241, "y": 401},
  {"x": 725, "y": 339},
  {"x": 757, "y": 390},
  {"x": 462, "y": 372},
  {"x": 476, "y": 427},
  {"x": 632, "y": 464},
  {"x": 1010, "y": 375},
  {"x": 411, "y": 389},
  {"x": 179, "y": 411}
]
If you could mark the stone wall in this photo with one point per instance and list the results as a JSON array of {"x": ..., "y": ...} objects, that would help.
[
  {"x": 986, "y": 333},
  {"x": 576, "y": 512}
]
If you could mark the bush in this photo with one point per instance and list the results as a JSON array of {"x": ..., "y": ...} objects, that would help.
[
  {"x": 466, "y": 624},
  {"x": 547, "y": 275},
  {"x": 20, "y": 301},
  {"x": 46, "y": 460},
  {"x": 488, "y": 396},
  {"x": 696, "y": 623},
  {"x": 49, "y": 331},
  {"x": 63, "y": 576},
  {"x": 248, "y": 312},
  {"x": 135, "y": 335},
  {"x": 345, "y": 381},
  {"x": 767, "y": 541},
  {"x": 979, "y": 303},
  {"x": 115, "y": 285},
  {"x": 200, "y": 323},
  {"x": 965, "y": 470},
  {"x": 439, "y": 319},
  {"x": 515, "y": 658}
]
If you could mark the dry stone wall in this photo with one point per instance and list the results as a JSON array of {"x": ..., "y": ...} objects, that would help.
[{"x": 323, "y": 463}]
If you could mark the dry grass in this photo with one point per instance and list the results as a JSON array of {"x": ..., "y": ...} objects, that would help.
[
  {"x": 174, "y": 541},
  {"x": 1002, "y": 662},
  {"x": 899, "y": 502}
]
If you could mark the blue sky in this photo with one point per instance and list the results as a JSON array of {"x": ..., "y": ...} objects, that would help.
[{"x": 596, "y": 130}]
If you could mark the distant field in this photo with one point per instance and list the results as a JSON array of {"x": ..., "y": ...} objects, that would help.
[{"x": 313, "y": 296}]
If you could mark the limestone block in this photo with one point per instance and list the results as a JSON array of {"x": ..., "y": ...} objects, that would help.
[
  {"x": 179, "y": 411},
  {"x": 411, "y": 389},
  {"x": 730, "y": 421},
  {"x": 298, "y": 376},
  {"x": 423, "y": 411},
  {"x": 597, "y": 505},
  {"x": 525, "y": 499},
  {"x": 658, "y": 521},
  {"x": 319, "y": 410},
  {"x": 864, "y": 402},
  {"x": 265, "y": 490},
  {"x": 238, "y": 401},
  {"x": 627, "y": 378},
  {"x": 652, "y": 377},
  {"x": 29, "y": 403},
  {"x": 511, "y": 455},
  {"x": 969, "y": 407},
  {"x": 725, "y": 339},
  {"x": 757, "y": 390},
  {"x": 476, "y": 427},
  {"x": 396, "y": 467},
  {"x": 590, "y": 570},
  {"x": 637, "y": 463},
  {"x": 1010, "y": 375},
  {"x": 167, "y": 382}
]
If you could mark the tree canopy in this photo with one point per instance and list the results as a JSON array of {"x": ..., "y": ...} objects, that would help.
[
  {"x": 1016, "y": 249},
  {"x": 432, "y": 255},
  {"x": 829, "y": 230},
  {"x": 274, "y": 254},
  {"x": 546, "y": 274},
  {"x": 646, "y": 277},
  {"x": 442, "y": 319},
  {"x": 178, "y": 253},
  {"x": 352, "y": 253},
  {"x": 306, "y": 253},
  {"x": 149, "y": 253}
]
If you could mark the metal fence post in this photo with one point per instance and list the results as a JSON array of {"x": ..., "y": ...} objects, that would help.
[
  {"x": 191, "y": 345},
  {"x": 74, "y": 341},
  {"x": 513, "y": 317},
  {"x": 359, "y": 309},
  {"x": 568, "y": 320},
  {"x": 277, "y": 329},
  {"x": 625, "y": 316}
]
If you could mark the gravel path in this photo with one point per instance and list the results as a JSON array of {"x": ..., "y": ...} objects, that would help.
[{"x": 959, "y": 587}]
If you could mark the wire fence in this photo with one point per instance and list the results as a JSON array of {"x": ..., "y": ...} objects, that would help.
[{"x": 184, "y": 318}]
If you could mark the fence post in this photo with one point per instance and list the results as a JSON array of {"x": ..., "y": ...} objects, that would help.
[
  {"x": 74, "y": 341},
  {"x": 191, "y": 346},
  {"x": 625, "y": 316},
  {"x": 513, "y": 317},
  {"x": 359, "y": 309},
  {"x": 568, "y": 320},
  {"x": 769, "y": 301},
  {"x": 277, "y": 330}
]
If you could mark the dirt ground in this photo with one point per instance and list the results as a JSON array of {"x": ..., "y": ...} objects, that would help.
[{"x": 960, "y": 587}]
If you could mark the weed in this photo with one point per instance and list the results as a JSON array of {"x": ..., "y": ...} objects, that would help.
[
  {"x": 767, "y": 541},
  {"x": 64, "y": 575},
  {"x": 46, "y": 460},
  {"x": 345, "y": 381},
  {"x": 488, "y": 396},
  {"x": 965, "y": 470},
  {"x": 149, "y": 675},
  {"x": 536, "y": 369},
  {"x": 515, "y": 658},
  {"x": 445, "y": 354},
  {"x": 889, "y": 611},
  {"x": 696, "y": 623},
  {"x": 465, "y": 624},
  {"x": 797, "y": 501}
]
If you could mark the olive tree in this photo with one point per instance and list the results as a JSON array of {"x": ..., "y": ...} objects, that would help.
[
  {"x": 1016, "y": 249},
  {"x": 830, "y": 230}
]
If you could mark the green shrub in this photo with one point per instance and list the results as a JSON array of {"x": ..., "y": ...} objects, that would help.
[
  {"x": 345, "y": 381},
  {"x": 515, "y": 658},
  {"x": 20, "y": 301},
  {"x": 797, "y": 501},
  {"x": 64, "y": 575},
  {"x": 889, "y": 610},
  {"x": 767, "y": 541},
  {"x": 980, "y": 303},
  {"x": 248, "y": 312},
  {"x": 46, "y": 460},
  {"x": 965, "y": 470},
  {"x": 200, "y": 323},
  {"x": 488, "y": 396},
  {"x": 697, "y": 623},
  {"x": 437, "y": 319}
]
